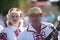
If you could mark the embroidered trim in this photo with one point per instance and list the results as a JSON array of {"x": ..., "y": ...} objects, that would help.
[
  {"x": 3, "y": 36},
  {"x": 37, "y": 36},
  {"x": 17, "y": 32}
]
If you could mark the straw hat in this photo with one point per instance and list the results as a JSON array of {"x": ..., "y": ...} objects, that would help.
[{"x": 35, "y": 10}]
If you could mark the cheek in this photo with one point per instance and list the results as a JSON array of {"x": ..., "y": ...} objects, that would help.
[{"x": 10, "y": 20}]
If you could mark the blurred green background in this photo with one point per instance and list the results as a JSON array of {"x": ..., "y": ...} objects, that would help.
[{"x": 5, "y": 5}]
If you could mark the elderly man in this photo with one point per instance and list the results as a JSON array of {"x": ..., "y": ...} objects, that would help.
[{"x": 37, "y": 30}]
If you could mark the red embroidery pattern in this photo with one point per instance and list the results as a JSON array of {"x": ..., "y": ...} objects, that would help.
[
  {"x": 40, "y": 36},
  {"x": 11, "y": 9},
  {"x": 3, "y": 36},
  {"x": 37, "y": 36},
  {"x": 17, "y": 32}
]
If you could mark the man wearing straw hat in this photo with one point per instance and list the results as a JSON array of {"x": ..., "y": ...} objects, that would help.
[{"x": 37, "y": 30}]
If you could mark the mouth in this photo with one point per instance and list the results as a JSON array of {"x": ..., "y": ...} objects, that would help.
[{"x": 14, "y": 21}]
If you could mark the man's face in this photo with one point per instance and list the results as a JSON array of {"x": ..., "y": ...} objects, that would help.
[{"x": 35, "y": 18}]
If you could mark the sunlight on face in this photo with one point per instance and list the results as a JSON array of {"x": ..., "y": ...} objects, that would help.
[{"x": 14, "y": 18}]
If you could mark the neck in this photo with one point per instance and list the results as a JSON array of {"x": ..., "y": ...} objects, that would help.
[
  {"x": 37, "y": 28},
  {"x": 16, "y": 25}
]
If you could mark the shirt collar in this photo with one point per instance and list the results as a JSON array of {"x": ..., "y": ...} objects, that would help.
[{"x": 31, "y": 29}]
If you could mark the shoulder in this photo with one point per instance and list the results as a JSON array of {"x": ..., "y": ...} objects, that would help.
[
  {"x": 48, "y": 24},
  {"x": 6, "y": 30},
  {"x": 49, "y": 28},
  {"x": 23, "y": 35}
]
